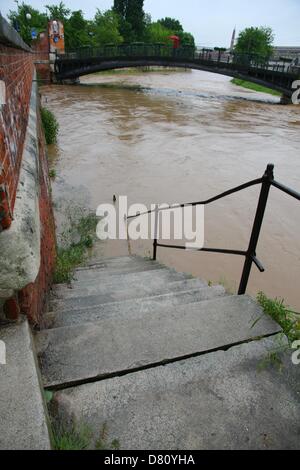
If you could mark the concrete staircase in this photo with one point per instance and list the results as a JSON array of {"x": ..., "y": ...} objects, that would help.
[
  {"x": 163, "y": 360},
  {"x": 127, "y": 314}
]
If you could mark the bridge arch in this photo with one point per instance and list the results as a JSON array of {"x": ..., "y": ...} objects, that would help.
[{"x": 73, "y": 65}]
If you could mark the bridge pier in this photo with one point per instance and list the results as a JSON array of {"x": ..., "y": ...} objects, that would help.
[
  {"x": 65, "y": 81},
  {"x": 285, "y": 99}
]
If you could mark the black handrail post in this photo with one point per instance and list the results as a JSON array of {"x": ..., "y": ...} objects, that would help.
[
  {"x": 155, "y": 234},
  {"x": 260, "y": 212}
]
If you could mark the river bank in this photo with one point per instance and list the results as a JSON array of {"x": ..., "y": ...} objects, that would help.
[{"x": 254, "y": 87}]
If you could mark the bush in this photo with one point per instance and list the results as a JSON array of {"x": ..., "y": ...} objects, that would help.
[{"x": 50, "y": 125}]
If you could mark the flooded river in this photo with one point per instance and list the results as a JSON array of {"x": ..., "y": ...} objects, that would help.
[{"x": 184, "y": 136}]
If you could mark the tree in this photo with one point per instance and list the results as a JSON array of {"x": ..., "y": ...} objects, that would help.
[
  {"x": 186, "y": 39},
  {"x": 106, "y": 28},
  {"x": 58, "y": 12},
  {"x": 76, "y": 31},
  {"x": 18, "y": 19},
  {"x": 160, "y": 32},
  {"x": 126, "y": 21},
  {"x": 255, "y": 42},
  {"x": 156, "y": 32},
  {"x": 172, "y": 24},
  {"x": 132, "y": 18}
]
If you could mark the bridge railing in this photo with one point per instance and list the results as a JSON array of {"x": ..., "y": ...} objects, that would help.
[
  {"x": 129, "y": 50},
  {"x": 185, "y": 52},
  {"x": 265, "y": 183},
  {"x": 206, "y": 57}
]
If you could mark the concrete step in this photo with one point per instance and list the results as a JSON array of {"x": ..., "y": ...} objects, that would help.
[
  {"x": 222, "y": 400},
  {"x": 108, "y": 276},
  {"x": 106, "y": 348},
  {"x": 23, "y": 415},
  {"x": 114, "y": 261},
  {"x": 133, "y": 308},
  {"x": 94, "y": 285},
  {"x": 124, "y": 262},
  {"x": 82, "y": 298},
  {"x": 96, "y": 272}
]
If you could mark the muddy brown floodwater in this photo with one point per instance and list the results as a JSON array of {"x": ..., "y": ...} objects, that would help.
[{"x": 183, "y": 136}]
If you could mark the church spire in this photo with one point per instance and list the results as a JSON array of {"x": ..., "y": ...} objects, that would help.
[{"x": 233, "y": 40}]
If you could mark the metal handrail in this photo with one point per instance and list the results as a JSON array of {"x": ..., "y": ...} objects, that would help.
[
  {"x": 203, "y": 203},
  {"x": 266, "y": 181}
]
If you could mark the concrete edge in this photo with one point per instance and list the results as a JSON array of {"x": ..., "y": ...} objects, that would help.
[
  {"x": 22, "y": 383},
  {"x": 10, "y": 37},
  {"x": 41, "y": 385},
  {"x": 20, "y": 244}
]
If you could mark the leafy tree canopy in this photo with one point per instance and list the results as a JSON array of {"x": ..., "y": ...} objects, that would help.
[
  {"x": 58, "y": 12},
  {"x": 161, "y": 30},
  {"x": 132, "y": 18},
  {"x": 23, "y": 25},
  {"x": 157, "y": 33},
  {"x": 172, "y": 24},
  {"x": 76, "y": 31},
  {"x": 256, "y": 41},
  {"x": 186, "y": 38},
  {"x": 125, "y": 22},
  {"x": 106, "y": 28}
]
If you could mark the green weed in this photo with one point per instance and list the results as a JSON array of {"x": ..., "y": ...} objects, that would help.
[
  {"x": 81, "y": 438},
  {"x": 282, "y": 314},
  {"x": 50, "y": 125},
  {"x": 73, "y": 439},
  {"x": 78, "y": 236},
  {"x": 52, "y": 173}
]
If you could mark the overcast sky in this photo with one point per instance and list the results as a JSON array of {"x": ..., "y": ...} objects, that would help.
[{"x": 211, "y": 22}]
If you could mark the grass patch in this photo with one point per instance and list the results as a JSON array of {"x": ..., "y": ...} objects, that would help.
[
  {"x": 273, "y": 359},
  {"x": 73, "y": 439},
  {"x": 50, "y": 125},
  {"x": 254, "y": 87},
  {"x": 81, "y": 438},
  {"x": 78, "y": 236},
  {"x": 282, "y": 314}
]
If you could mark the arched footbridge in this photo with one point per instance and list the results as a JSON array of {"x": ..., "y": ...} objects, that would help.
[{"x": 274, "y": 75}]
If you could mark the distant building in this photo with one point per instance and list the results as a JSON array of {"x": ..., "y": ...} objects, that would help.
[{"x": 286, "y": 52}]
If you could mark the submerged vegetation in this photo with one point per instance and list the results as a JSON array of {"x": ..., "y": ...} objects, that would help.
[
  {"x": 254, "y": 87},
  {"x": 50, "y": 125},
  {"x": 74, "y": 242}
]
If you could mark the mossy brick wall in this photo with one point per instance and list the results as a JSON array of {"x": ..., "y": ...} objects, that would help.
[
  {"x": 17, "y": 72},
  {"x": 32, "y": 299}
]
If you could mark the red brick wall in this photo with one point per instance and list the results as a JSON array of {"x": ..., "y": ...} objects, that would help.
[
  {"x": 16, "y": 69},
  {"x": 41, "y": 58}
]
